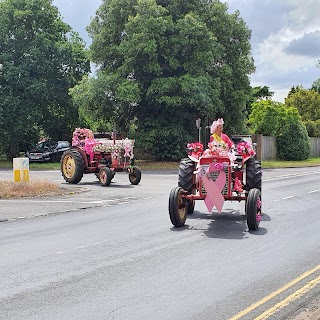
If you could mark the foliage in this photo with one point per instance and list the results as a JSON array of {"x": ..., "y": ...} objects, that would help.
[
  {"x": 164, "y": 140},
  {"x": 166, "y": 64},
  {"x": 276, "y": 119},
  {"x": 307, "y": 102},
  {"x": 257, "y": 94},
  {"x": 40, "y": 59},
  {"x": 294, "y": 89},
  {"x": 316, "y": 85},
  {"x": 292, "y": 137},
  {"x": 265, "y": 117},
  {"x": 313, "y": 127}
]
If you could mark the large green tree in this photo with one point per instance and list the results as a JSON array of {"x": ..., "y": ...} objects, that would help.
[
  {"x": 308, "y": 104},
  {"x": 40, "y": 59},
  {"x": 272, "y": 118},
  {"x": 176, "y": 60},
  {"x": 265, "y": 117}
]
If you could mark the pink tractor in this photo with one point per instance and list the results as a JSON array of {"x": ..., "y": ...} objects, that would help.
[
  {"x": 103, "y": 157},
  {"x": 215, "y": 176}
]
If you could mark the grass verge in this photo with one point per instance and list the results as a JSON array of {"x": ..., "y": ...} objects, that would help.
[
  {"x": 311, "y": 162},
  {"x": 13, "y": 190}
]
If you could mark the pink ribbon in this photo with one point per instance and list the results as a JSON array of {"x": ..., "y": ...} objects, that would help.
[{"x": 214, "y": 188}]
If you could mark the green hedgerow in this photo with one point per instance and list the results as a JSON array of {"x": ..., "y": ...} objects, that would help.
[{"x": 293, "y": 142}]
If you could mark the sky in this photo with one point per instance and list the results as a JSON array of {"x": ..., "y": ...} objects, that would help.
[{"x": 285, "y": 38}]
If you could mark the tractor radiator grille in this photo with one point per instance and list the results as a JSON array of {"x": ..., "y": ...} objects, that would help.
[{"x": 214, "y": 176}]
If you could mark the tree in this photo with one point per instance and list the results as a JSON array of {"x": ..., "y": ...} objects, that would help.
[
  {"x": 257, "y": 94},
  {"x": 40, "y": 59},
  {"x": 316, "y": 85},
  {"x": 265, "y": 117},
  {"x": 294, "y": 89},
  {"x": 178, "y": 60},
  {"x": 307, "y": 102}
]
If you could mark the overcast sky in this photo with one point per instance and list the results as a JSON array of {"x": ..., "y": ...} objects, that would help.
[{"x": 285, "y": 38}]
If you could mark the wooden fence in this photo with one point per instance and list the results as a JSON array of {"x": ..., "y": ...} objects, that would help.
[{"x": 267, "y": 149}]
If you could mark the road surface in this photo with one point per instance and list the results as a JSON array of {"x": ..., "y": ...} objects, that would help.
[{"x": 122, "y": 259}]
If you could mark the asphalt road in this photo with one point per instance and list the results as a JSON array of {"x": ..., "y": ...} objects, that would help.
[{"x": 112, "y": 253}]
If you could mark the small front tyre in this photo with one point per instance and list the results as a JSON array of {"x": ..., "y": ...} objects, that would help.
[
  {"x": 253, "y": 209},
  {"x": 178, "y": 207},
  {"x": 105, "y": 176},
  {"x": 135, "y": 175}
]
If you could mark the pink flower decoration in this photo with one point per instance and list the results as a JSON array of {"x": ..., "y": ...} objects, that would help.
[{"x": 218, "y": 166}]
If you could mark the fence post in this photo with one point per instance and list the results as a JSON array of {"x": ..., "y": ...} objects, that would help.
[{"x": 257, "y": 138}]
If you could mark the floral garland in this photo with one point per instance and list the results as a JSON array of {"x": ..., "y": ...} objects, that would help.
[
  {"x": 245, "y": 149},
  {"x": 195, "y": 149},
  {"x": 216, "y": 149},
  {"x": 124, "y": 147}
]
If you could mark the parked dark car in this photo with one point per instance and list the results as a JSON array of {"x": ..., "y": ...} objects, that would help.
[{"x": 48, "y": 151}]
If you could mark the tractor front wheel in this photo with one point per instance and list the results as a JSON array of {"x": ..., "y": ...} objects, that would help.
[
  {"x": 135, "y": 175},
  {"x": 177, "y": 207},
  {"x": 186, "y": 180},
  {"x": 72, "y": 166},
  {"x": 253, "y": 209},
  {"x": 105, "y": 176}
]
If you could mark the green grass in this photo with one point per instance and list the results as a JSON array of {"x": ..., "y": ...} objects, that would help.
[
  {"x": 166, "y": 165},
  {"x": 311, "y": 162}
]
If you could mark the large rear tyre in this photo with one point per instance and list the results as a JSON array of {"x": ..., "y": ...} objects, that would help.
[
  {"x": 253, "y": 209},
  {"x": 72, "y": 166},
  {"x": 253, "y": 175},
  {"x": 177, "y": 207},
  {"x": 105, "y": 176},
  {"x": 135, "y": 175},
  {"x": 186, "y": 180}
]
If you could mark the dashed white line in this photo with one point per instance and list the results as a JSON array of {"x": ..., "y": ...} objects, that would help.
[
  {"x": 287, "y": 176},
  {"x": 313, "y": 191},
  {"x": 285, "y": 198}
]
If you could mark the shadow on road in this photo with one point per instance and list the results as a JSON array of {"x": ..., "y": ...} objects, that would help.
[
  {"x": 112, "y": 185},
  {"x": 229, "y": 224}
]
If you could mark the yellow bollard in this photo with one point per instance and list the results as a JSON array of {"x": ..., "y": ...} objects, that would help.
[{"x": 21, "y": 169}]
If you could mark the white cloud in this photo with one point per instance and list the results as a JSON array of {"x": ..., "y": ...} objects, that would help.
[
  {"x": 278, "y": 27},
  {"x": 280, "y": 32}
]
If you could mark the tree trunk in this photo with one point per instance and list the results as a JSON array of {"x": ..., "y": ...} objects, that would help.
[{"x": 12, "y": 152}]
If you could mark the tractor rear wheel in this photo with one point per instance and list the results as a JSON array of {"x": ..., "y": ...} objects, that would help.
[
  {"x": 105, "y": 176},
  {"x": 186, "y": 180},
  {"x": 253, "y": 209},
  {"x": 177, "y": 207},
  {"x": 135, "y": 175},
  {"x": 72, "y": 166},
  {"x": 253, "y": 175}
]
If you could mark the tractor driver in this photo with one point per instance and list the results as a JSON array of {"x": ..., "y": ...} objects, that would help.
[{"x": 218, "y": 136}]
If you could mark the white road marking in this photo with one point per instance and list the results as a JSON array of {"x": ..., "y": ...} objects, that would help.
[
  {"x": 287, "y": 176},
  {"x": 313, "y": 191},
  {"x": 287, "y": 197}
]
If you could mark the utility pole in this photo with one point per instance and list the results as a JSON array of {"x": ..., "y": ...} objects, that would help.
[{"x": 198, "y": 125}]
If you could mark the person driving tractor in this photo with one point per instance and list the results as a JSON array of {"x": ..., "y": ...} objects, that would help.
[{"x": 218, "y": 136}]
